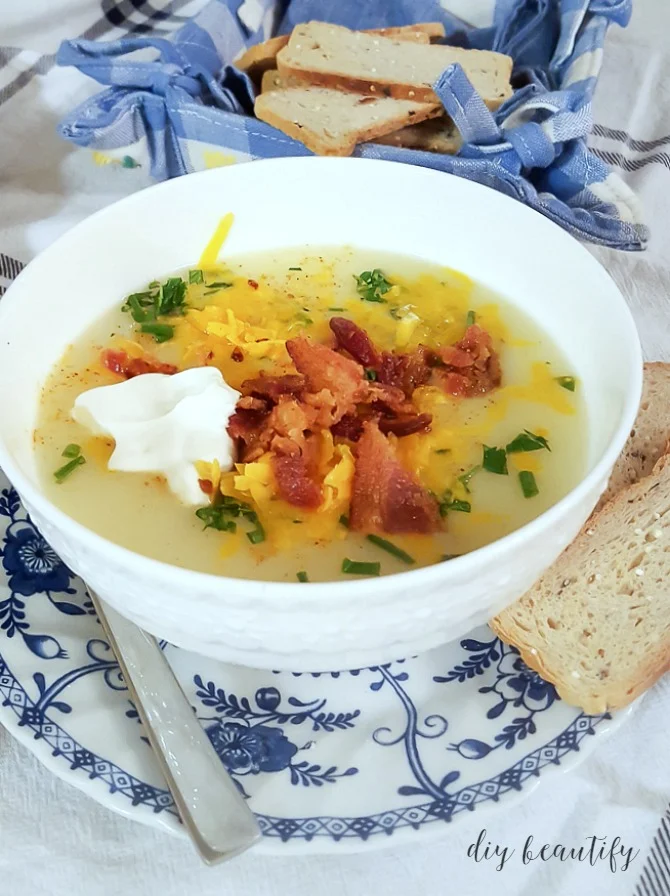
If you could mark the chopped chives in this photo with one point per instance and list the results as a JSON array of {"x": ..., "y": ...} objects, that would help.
[
  {"x": 495, "y": 460},
  {"x": 567, "y": 382},
  {"x": 302, "y": 575},
  {"x": 450, "y": 503},
  {"x": 140, "y": 311},
  {"x": 196, "y": 276},
  {"x": 370, "y": 374},
  {"x": 218, "y": 285},
  {"x": 344, "y": 521},
  {"x": 359, "y": 568},
  {"x": 216, "y": 516},
  {"x": 71, "y": 450},
  {"x": 295, "y": 269},
  {"x": 466, "y": 477},
  {"x": 171, "y": 295},
  {"x": 63, "y": 472},
  {"x": 257, "y": 534},
  {"x": 527, "y": 441},
  {"x": 160, "y": 332},
  {"x": 372, "y": 285},
  {"x": 528, "y": 484},
  {"x": 470, "y": 319},
  {"x": 462, "y": 506},
  {"x": 336, "y": 309},
  {"x": 391, "y": 548}
]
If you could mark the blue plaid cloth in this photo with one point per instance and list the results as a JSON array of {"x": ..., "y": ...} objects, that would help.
[{"x": 183, "y": 106}]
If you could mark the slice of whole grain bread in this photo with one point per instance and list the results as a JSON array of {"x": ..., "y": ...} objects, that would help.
[
  {"x": 435, "y": 135},
  {"x": 335, "y": 57},
  {"x": 272, "y": 80},
  {"x": 597, "y": 624},
  {"x": 262, "y": 57},
  {"x": 647, "y": 441},
  {"x": 332, "y": 122}
]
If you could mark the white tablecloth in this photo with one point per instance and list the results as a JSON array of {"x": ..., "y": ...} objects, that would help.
[{"x": 55, "y": 841}]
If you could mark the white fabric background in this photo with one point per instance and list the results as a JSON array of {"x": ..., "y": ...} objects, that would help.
[{"x": 55, "y": 841}]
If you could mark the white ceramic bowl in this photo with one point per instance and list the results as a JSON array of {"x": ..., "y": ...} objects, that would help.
[{"x": 294, "y": 202}]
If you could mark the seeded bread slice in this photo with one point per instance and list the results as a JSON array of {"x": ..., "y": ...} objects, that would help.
[
  {"x": 272, "y": 80},
  {"x": 597, "y": 625},
  {"x": 263, "y": 57},
  {"x": 436, "y": 135},
  {"x": 648, "y": 438},
  {"x": 332, "y": 56},
  {"x": 332, "y": 122}
]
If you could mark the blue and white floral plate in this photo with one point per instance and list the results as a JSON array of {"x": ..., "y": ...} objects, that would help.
[{"x": 330, "y": 762}]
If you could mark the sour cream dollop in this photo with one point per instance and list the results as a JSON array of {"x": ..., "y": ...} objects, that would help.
[{"x": 163, "y": 424}]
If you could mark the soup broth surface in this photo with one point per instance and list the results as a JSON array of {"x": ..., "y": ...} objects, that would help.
[{"x": 257, "y": 302}]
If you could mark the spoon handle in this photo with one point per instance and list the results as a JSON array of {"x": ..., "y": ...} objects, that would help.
[{"x": 213, "y": 811}]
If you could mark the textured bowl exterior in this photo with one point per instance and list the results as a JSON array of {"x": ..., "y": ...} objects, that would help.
[
  {"x": 328, "y": 636},
  {"x": 340, "y": 625}
]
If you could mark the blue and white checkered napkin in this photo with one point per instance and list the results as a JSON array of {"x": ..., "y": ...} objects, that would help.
[{"x": 187, "y": 108}]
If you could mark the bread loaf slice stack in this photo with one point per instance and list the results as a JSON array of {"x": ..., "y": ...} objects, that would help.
[
  {"x": 393, "y": 65},
  {"x": 332, "y": 122},
  {"x": 597, "y": 625},
  {"x": 333, "y": 56},
  {"x": 263, "y": 57}
]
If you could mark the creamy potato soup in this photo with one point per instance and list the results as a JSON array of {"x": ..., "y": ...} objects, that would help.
[{"x": 387, "y": 414}]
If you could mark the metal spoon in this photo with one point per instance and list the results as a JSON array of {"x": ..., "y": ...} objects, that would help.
[{"x": 214, "y": 813}]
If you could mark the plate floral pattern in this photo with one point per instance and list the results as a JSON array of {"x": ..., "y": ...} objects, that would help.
[{"x": 329, "y": 761}]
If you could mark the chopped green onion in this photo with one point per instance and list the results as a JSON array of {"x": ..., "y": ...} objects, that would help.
[
  {"x": 466, "y": 477},
  {"x": 528, "y": 484},
  {"x": 527, "y": 441},
  {"x": 462, "y": 506},
  {"x": 63, "y": 472},
  {"x": 448, "y": 503},
  {"x": 370, "y": 374},
  {"x": 218, "y": 285},
  {"x": 336, "y": 309},
  {"x": 257, "y": 535},
  {"x": 344, "y": 521},
  {"x": 71, "y": 450},
  {"x": 372, "y": 285},
  {"x": 358, "y": 568},
  {"x": 171, "y": 295},
  {"x": 567, "y": 382},
  {"x": 216, "y": 516},
  {"x": 302, "y": 575},
  {"x": 295, "y": 269},
  {"x": 140, "y": 310},
  {"x": 495, "y": 460},
  {"x": 470, "y": 318},
  {"x": 196, "y": 276},
  {"x": 221, "y": 516},
  {"x": 160, "y": 332},
  {"x": 391, "y": 548}
]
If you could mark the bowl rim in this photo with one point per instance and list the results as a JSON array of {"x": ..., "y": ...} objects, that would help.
[{"x": 178, "y": 576}]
